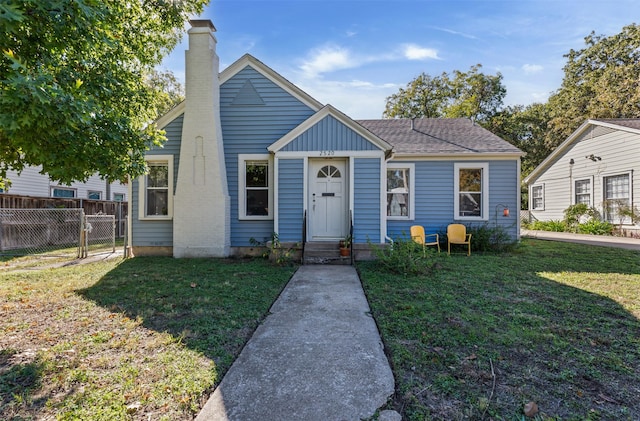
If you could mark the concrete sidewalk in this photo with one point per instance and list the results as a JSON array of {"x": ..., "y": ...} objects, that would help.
[
  {"x": 317, "y": 356},
  {"x": 594, "y": 240}
]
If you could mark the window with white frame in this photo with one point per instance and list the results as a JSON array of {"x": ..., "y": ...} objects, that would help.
[
  {"x": 471, "y": 184},
  {"x": 400, "y": 188},
  {"x": 156, "y": 188},
  {"x": 118, "y": 197},
  {"x": 255, "y": 187},
  {"x": 616, "y": 196},
  {"x": 62, "y": 192},
  {"x": 94, "y": 195},
  {"x": 583, "y": 192},
  {"x": 537, "y": 197}
]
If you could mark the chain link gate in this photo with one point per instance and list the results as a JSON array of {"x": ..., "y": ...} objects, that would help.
[{"x": 99, "y": 233}]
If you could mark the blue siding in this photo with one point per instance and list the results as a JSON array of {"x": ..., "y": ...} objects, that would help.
[
  {"x": 291, "y": 199},
  {"x": 504, "y": 188},
  {"x": 329, "y": 134},
  {"x": 157, "y": 233},
  {"x": 434, "y": 200},
  {"x": 249, "y": 127},
  {"x": 366, "y": 212}
]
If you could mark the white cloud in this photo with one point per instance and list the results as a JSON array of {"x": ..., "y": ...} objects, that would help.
[
  {"x": 532, "y": 68},
  {"x": 327, "y": 59},
  {"x": 416, "y": 52},
  {"x": 451, "y": 31}
]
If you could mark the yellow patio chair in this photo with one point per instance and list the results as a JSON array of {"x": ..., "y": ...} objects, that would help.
[
  {"x": 457, "y": 234},
  {"x": 418, "y": 235}
]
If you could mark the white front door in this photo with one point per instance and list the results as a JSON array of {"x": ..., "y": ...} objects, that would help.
[{"x": 327, "y": 208}]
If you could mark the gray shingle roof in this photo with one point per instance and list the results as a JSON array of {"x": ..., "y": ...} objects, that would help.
[
  {"x": 632, "y": 123},
  {"x": 438, "y": 136}
]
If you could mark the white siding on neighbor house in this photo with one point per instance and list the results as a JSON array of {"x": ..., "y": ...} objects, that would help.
[
  {"x": 31, "y": 183},
  {"x": 618, "y": 152}
]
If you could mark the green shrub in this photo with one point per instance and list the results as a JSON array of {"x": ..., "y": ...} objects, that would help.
[
  {"x": 596, "y": 227},
  {"x": 488, "y": 237},
  {"x": 575, "y": 213},
  {"x": 404, "y": 256},
  {"x": 556, "y": 226}
]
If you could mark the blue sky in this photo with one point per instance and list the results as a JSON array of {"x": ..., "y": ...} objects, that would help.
[{"x": 352, "y": 54}]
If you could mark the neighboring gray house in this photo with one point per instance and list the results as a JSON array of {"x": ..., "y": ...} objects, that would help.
[
  {"x": 598, "y": 165},
  {"x": 31, "y": 182},
  {"x": 250, "y": 154}
]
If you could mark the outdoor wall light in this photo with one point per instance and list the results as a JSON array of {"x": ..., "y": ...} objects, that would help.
[
  {"x": 505, "y": 210},
  {"x": 593, "y": 157}
]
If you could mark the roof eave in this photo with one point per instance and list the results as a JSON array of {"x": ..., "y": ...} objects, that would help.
[{"x": 445, "y": 156}]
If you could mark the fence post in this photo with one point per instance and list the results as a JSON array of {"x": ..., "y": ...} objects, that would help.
[{"x": 81, "y": 236}]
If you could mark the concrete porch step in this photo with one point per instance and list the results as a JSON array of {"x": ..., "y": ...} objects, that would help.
[{"x": 325, "y": 253}]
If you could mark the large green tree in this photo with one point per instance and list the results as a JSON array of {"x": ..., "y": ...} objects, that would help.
[
  {"x": 74, "y": 91},
  {"x": 524, "y": 127},
  {"x": 471, "y": 94},
  {"x": 601, "y": 80}
]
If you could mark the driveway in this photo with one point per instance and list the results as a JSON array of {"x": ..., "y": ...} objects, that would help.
[{"x": 594, "y": 240}]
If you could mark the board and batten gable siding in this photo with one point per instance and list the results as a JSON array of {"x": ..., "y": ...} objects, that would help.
[
  {"x": 434, "y": 197},
  {"x": 254, "y": 113},
  {"x": 366, "y": 198},
  {"x": 618, "y": 150},
  {"x": 290, "y": 199},
  {"x": 157, "y": 233},
  {"x": 329, "y": 134}
]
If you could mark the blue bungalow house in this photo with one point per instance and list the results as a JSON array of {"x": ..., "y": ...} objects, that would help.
[{"x": 249, "y": 154}]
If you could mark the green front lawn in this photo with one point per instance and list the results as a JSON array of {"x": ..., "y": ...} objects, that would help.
[
  {"x": 479, "y": 337},
  {"x": 475, "y": 338},
  {"x": 145, "y": 338}
]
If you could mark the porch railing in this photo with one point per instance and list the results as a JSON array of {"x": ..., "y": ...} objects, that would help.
[
  {"x": 351, "y": 235},
  {"x": 304, "y": 234}
]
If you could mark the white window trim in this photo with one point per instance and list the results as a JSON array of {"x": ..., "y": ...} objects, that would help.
[
  {"x": 412, "y": 189},
  {"x": 484, "y": 213},
  {"x": 242, "y": 186},
  {"x": 142, "y": 188},
  {"x": 531, "y": 197},
  {"x": 75, "y": 192},
  {"x": 604, "y": 193},
  {"x": 590, "y": 180}
]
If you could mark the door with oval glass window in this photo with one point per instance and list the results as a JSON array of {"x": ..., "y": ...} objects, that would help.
[{"x": 327, "y": 208}]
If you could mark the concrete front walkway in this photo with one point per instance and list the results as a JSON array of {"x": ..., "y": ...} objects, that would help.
[
  {"x": 317, "y": 356},
  {"x": 594, "y": 240}
]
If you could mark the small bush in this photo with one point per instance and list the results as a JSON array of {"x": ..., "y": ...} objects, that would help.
[
  {"x": 404, "y": 256},
  {"x": 490, "y": 238},
  {"x": 596, "y": 227},
  {"x": 556, "y": 226},
  {"x": 575, "y": 214}
]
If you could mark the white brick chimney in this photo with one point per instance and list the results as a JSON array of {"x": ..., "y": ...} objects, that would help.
[{"x": 201, "y": 218}]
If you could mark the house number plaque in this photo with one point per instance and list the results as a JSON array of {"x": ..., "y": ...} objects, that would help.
[{"x": 327, "y": 153}]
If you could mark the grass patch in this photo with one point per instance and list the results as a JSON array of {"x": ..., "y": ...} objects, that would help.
[
  {"x": 478, "y": 337},
  {"x": 145, "y": 338}
]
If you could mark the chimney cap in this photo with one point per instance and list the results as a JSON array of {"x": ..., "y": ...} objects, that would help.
[{"x": 202, "y": 23}]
